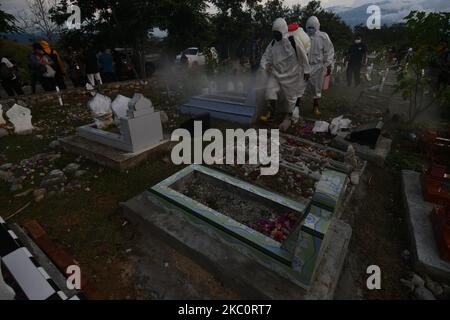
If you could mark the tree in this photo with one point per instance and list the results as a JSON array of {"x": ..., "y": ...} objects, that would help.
[
  {"x": 426, "y": 31},
  {"x": 187, "y": 24},
  {"x": 36, "y": 19},
  {"x": 233, "y": 24},
  {"x": 8, "y": 23}
]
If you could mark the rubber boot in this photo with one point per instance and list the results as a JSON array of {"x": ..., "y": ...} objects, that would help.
[
  {"x": 296, "y": 113},
  {"x": 287, "y": 123},
  {"x": 316, "y": 107},
  {"x": 271, "y": 104}
]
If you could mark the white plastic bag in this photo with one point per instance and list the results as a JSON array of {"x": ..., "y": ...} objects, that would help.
[
  {"x": 339, "y": 124},
  {"x": 50, "y": 72},
  {"x": 100, "y": 106},
  {"x": 321, "y": 127}
]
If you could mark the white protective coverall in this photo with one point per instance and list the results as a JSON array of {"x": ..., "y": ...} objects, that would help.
[
  {"x": 321, "y": 56},
  {"x": 286, "y": 68}
]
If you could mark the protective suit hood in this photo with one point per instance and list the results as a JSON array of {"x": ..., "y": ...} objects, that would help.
[
  {"x": 280, "y": 25},
  {"x": 313, "y": 22}
]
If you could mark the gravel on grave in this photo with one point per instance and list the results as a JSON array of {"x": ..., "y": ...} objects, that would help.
[{"x": 271, "y": 221}]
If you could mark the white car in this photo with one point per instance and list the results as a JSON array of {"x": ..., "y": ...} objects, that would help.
[{"x": 194, "y": 57}]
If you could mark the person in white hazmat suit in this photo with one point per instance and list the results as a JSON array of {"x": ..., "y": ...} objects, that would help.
[
  {"x": 321, "y": 59},
  {"x": 287, "y": 66}
]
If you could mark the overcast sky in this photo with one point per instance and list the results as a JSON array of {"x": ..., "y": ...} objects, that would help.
[{"x": 14, "y": 6}]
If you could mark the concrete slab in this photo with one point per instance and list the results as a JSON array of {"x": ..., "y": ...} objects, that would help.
[
  {"x": 106, "y": 155},
  {"x": 239, "y": 270},
  {"x": 376, "y": 156},
  {"x": 427, "y": 258}
]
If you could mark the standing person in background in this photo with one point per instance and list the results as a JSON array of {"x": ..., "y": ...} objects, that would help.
[
  {"x": 118, "y": 64},
  {"x": 76, "y": 72},
  {"x": 92, "y": 68},
  {"x": 356, "y": 58},
  {"x": 9, "y": 78},
  {"x": 106, "y": 61},
  {"x": 42, "y": 65},
  {"x": 321, "y": 59},
  {"x": 58, "y": 64}
]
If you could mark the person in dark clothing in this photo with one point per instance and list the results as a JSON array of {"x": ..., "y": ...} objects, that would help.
[
  {"x": 92, "y": 68},
  {"x": 355, "y": 57},
  {"x": 9, "y": 78},
  {"x": 58, "y": 64},
  {"x": 106, "y": 61},
  {"x": 42, "y": 66}
]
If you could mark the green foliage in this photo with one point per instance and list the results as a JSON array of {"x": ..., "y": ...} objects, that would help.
[
  {"x": 426, "y": 31},
  {"x": 19, "y": 53},
  {"x": 8, "y": 23}
]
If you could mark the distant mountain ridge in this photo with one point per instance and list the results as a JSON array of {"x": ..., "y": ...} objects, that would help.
[{"x": 392, "y": 11}]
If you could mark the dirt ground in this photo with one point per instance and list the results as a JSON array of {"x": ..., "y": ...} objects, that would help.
[{"x": 87, "y": 222}]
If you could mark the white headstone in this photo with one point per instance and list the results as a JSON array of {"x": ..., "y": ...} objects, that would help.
[
  {"x": 20, "y": 117},
  {"x": 139, "y": 103},
  {"x": 2, "y": 120},
  {"x": 120, "y": 107},
  {"x": 6, "y": 292}
]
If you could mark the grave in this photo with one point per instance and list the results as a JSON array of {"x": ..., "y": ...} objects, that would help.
[
  {"x": 20, "y": 117},
  {"x": 139, "y": 131},
  {"x": 23, "y": 272},
  {"x": 425, "y": 248},
  {"x": 280, "y": 238},
  {"x": 376, "y": 155},
  {"x": 230, "y": 106},
  {"x": 308, "y": 172}
]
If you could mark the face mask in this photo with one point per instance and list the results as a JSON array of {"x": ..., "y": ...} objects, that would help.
[
  {"x": 277, "y": 36},
  {"x": 311, "y": 31}
]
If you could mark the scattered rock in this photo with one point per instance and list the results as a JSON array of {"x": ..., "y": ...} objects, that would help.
[
  {"x": 417, "y": 281},
  {"x": 80, "y": 173},
  {"x": 6, "y": 166},
  {"x": 16, "y": 187},
  {"x": 408, "y": 284},
  {"x": 38, "y": 137},
  {"x": 39, "y": 194},
  {"x": 71, "y": 168},
  {"x": 55, "y": 177},
  {"x": 434, "y": 287},
  {"x": 54, "y": 144},
  {"x": 6, "y": 176},
  {"x": 422, "y": 293}
]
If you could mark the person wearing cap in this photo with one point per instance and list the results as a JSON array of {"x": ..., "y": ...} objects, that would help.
[
  {"x": 321, "y": 58},
  {"x": 286, "y": 63}
]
